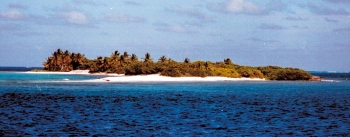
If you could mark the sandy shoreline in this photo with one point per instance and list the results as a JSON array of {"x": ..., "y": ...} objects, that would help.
[
  {"x": 159, "y": 78},
  {"x": 82, "y": 72},
  {"x": 147, "y": 78},
  {"x": 75, "y": 72}
]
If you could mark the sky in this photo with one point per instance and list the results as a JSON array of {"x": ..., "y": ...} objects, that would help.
[{"x": 307, "y": 34}]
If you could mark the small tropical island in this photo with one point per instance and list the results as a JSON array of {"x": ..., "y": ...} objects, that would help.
[{"x": 124, "y": 63}]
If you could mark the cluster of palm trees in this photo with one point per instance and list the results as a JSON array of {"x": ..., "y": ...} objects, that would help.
[
  {"x": 131, "y": 65},
  {"x": 64, "y": 61},
  {"x": 116, "y": 62}
]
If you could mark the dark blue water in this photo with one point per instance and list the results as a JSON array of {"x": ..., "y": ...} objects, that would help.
[
  {"x": 19, "y": 68},
  {"x": 47, "y": 105}
]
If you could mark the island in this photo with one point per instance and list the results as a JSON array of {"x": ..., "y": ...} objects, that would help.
[{"x": 131, "y": 65}]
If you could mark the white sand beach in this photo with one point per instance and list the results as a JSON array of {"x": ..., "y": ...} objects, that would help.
[
  {"x": 159, "y": 78},
  {"x": 76, "y": 72},
  {"x": 147, "y": 78}
]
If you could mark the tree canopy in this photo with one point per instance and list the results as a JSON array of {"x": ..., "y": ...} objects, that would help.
[{"x": 131, "y": 65}]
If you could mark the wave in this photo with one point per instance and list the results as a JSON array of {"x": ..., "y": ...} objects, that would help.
[{"x": 329, "y": 81}]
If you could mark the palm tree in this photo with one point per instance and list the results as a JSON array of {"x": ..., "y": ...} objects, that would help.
[
  {"x": 59, "y": 60},
  {"x": 56, "y": 57},
  {"x": 147, "y": 58},
  {"x": 206, "y": 64},
  {"x": 66, "y": 61},
  {"x": 199, "y": 64},
  {"x": 133, "y": 57},
  {"x": 48, "y": 64},
  {"x": 170, "y": 60},
  {"x": 59, "y": 51},
  {"x": 126, "y": 58},
  {"x": 106, "y": 63},
  {"x": 227, "y": 61},
  {"x": 116, "y": 53},
  {"x": 187, "y": 60},
  {"x": 77, "y": 60},
  {"x": 162, "y": 59},
  {"x": 126, "y": 55},
  {"x": 122, "y": 60},
  {"x": 114, "y": 59},
  {"x": 100, "y": 64},
  {"x": 74, "y": 61}
]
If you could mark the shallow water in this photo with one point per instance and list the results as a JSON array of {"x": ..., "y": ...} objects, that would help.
[{"x": 35, "y": 105}]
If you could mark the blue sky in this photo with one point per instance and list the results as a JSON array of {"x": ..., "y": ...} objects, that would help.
[{"x": 309, "y": 34}]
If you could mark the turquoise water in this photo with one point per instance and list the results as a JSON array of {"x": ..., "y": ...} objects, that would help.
[{"x": 64, "y": 105}]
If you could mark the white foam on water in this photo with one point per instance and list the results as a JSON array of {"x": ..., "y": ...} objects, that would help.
[{"x": 329, "y": 80}]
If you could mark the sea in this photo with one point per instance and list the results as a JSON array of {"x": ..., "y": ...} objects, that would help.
[{"x": 68, "y": 105}]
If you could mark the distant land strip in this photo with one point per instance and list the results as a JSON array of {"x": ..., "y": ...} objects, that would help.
[{"x": 117, "y": 63}]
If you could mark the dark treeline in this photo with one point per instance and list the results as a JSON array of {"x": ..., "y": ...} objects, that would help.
[{"x": 124, "y": 63}]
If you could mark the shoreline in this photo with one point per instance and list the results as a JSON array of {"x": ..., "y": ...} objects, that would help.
[
  {"x": 82, "y": 72},
  {"x": 74, "y": 72},
  {"x": 159, "y": 78},
  {"x": 147, "y": 78}
]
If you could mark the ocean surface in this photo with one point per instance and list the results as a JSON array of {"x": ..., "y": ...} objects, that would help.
[{"x": 67, "y": 105}]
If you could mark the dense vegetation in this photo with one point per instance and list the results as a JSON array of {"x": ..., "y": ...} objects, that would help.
[{"x": 132, "y": 65}]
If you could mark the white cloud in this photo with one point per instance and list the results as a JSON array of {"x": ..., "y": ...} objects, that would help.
[
  {"x": 240, "y": 6},
  {"x": 12, "y": 14},
  {"x": 75, "y": 17},
  {"x": 245, "y": 7}
]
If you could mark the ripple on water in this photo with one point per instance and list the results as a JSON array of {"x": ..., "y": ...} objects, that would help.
[{"x": 175, "y": 114}]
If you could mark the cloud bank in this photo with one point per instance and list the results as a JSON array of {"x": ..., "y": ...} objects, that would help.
[{"x": 235, "y": 7}]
